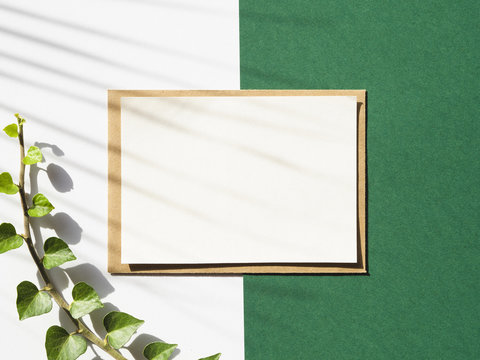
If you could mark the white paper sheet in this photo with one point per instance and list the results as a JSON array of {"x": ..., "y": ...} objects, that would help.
[{"x": 239, "y": 179}]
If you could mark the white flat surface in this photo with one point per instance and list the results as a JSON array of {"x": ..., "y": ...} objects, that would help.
[
  {"x": 239, "y": 179},
  {"x": 57, "y": 60}
]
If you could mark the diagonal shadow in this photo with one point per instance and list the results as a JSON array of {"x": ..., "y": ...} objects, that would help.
[
  {"x": 52, "y": 70},
  {"x": 71, "y": 50},
  {"x": 115, "y": 37},
  {"x": 177, "y": 5},
  {"x": 173, "y": 126},
  {"x": 274, "y": 159},
  {"x": 234, "y": 117},
  {"x": 53, "y": 89}
]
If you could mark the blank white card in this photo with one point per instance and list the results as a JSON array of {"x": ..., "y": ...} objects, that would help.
[{"x": 239, "y": 179}]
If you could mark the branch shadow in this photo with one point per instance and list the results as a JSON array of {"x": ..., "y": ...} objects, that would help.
[{"x": 97, "y": 356}]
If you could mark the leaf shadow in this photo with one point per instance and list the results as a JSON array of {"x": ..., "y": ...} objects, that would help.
[
  {"x": 65, "y": 321},
  {"x": 97, "y": 318},
  {"x": 64, "y": 226},
  {"x": 70, "y": 231},
  {"x": 136, "y": 346},
  {"x": 90, "y": 274},
  {"x": 55, "y": 149},
  {"x": 58, "y": 276},
  {"x": 59, "y": 178}
]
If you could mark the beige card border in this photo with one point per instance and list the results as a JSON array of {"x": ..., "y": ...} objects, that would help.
[{"x": 114, "y": 192}]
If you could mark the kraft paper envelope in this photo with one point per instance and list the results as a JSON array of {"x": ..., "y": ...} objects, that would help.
[{"x": 237, "y": 181}]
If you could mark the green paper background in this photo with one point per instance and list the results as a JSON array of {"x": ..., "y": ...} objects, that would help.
[{"x": 419, "y": 61}]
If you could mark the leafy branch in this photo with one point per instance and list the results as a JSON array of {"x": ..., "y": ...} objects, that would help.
[{"x": 31, "y": 301}]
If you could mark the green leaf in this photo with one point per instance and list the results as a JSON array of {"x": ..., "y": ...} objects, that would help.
[
  {"x": 9, "y": 239},
  {"x": 61, "y": 345},
  {"x": 213, "y": 357},
  {"x": 20, "y": 120},
  {"x": 41, "y": 206},
  {"x": 34, "y": 155},
  {"x": 6, "y": 184},
  {"x": 11, "y": 130},
  {"x": 159, "y": 350},
  {"x": 85, "y": 300},
  {"x": 31, "y": 301},
  {"x": 57, "y": 253},
  {"x": 120, "y": 328}
]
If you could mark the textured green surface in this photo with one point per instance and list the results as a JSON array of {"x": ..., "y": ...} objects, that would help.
[{"x": 419, "y": 61}]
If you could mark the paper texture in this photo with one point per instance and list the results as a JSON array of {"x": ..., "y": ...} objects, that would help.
[{"x": 238, "y": 179}]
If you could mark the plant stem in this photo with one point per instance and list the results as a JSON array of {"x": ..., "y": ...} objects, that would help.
[{"x": 56, "y": 295}]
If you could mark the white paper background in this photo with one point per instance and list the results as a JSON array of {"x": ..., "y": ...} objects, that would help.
[
  {"x": 57, "y": 60},
  {"x": 239, "y": 179}
]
